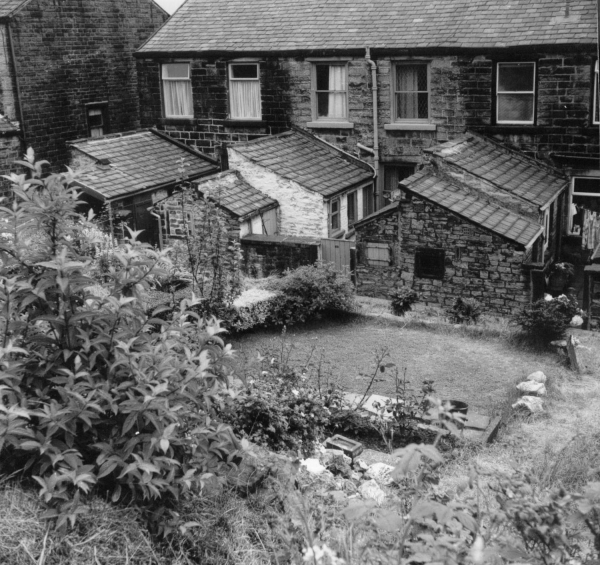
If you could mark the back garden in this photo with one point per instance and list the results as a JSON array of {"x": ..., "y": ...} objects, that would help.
[{"x": 156, "y": 407}]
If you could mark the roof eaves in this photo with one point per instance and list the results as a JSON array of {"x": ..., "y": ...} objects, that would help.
[{"x": 389, "y": 209}]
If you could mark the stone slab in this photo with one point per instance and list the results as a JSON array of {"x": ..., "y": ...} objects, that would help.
[
  {"x": 572, "y": 351},
  {"x": 477, "y": 421}
]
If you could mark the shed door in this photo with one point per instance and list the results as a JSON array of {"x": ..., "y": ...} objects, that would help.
[
  {"x": 144, "y": 220},
  {"x": 337, "y": 251}
]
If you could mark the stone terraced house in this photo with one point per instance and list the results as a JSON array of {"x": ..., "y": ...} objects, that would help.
[
  {"x": 67, "y": 71},
  {"x": 386, "y": 81}
]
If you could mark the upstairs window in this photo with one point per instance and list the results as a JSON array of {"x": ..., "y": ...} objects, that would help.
[
  {"x": 596, "y": 115},
  {"x": 177, "y": 90},
  {"x": 515, "y": 93},
  {"x": 330, "y": 91},
  {"x": 411, "y": 91},
  {"x": 97, "y": 119},
  {"x": 244, "y": 91}
]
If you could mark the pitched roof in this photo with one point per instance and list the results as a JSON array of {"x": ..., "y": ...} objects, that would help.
[
  {"x": 137, "y": 162},
  {"x": 469, "y": 206},
  {"x": 392, "y": 207},
  {"x": 307, "y": 160},
  {"x": 300, "y": 25},
  {"x": 7, "y": 7},
  {"x": 508, "y": 170},
  {"x": 232, "y": 192}
]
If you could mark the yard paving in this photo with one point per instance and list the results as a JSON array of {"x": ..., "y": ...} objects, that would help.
[{"x": 464, "y": 365}]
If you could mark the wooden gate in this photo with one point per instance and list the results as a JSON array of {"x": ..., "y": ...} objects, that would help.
[{"x": 337, "y": 251}]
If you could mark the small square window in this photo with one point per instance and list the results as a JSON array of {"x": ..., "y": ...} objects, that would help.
[
  {"x": 411, "y": 92},
  {"x": 244, "y": 91},
  {"x": 177, "y": 90},
  {"x": 430, "y": 263},
  {"x": 515, "y": 93},
  {"x": 330, "y": 91}
]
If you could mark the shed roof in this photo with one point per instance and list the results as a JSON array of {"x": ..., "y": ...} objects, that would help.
[
  {"x": 232, "y": 192},
  {"x": 305, "y": 159},
  {"x": 201, "y": 26},
  {"x": 509, "y": 170},
  {"x": 137, "y": 162},
  {"x": 488, "y": 215}
]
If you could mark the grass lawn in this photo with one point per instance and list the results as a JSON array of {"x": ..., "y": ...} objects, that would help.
[{"x": 465, "y": 363}]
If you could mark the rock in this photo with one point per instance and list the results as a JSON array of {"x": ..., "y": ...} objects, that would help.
[
  {"x": 361, "y": 465},
  {"x": 532, "y": 403},
  {"x": 538, "y": 376},
  {"x": 313, "y": 466},
  {"x": 372, "y": 491},
  {"x": 559, "y": 344},
  {"x": 380, "y": 472},
  {"x": 339, "y": 465},
  {"x": 355, "y": 476},
  {"x": 533, "y": 388},
  {"x": 331, "y": 454}
]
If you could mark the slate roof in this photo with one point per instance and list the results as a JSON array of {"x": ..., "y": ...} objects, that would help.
[
  {"x": 137, "y": 162},
  {"x": 508, "y": 170},
  {"x": 7, "y": 7},
  {"x": 488, "y": 215},
  {"x": 392, "y": 207},
  {"x": 232, "y": 192},
  {"x": 310, "y": 162},
  {"x": 201, "y": 26}
]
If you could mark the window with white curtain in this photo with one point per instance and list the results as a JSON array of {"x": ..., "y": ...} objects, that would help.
[
  {"x": 244, "y": 91},
  {"x": 177, "y": 90},
  {"x": 330, "y": 91},
  {"x": 515, "y": 93},
  {"x": 411, "y": 91}
]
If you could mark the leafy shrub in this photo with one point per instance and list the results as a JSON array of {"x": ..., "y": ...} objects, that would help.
[
  {"x": 548, "y": 318},
  {"x": 280, "y": 410},
  {"x": 90, "y": 397},
  {"x": 307, "y": 292},
  {"x": 464, "y": 311},
  {"x": 402, "y": 300}
]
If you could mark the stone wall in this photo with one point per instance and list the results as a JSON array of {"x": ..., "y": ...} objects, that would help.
[
  {"x": 462, "y": 96},
  {"x": 267, "y": 255},
  {"x": 478, "y": 264},
  {"x": 10, "y": 151},
  {"x": 374, "y": 279},
  {"x": 301, "y": 211},
  {"x": 72, "y": 53}
]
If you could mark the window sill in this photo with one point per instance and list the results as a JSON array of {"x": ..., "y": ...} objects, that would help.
[
  {"x": 409, "y": 126},
  {"x": 233, "y": 122},
  {"x": 330, "y": 125},
  {"x": 176, "y": 121}
]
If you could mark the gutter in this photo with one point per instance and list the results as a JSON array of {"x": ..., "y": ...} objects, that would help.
[{"x": 378, "y": 187}]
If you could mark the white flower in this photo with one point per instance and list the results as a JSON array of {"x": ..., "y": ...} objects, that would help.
[
  {"x": 576, "y": 321},
  {"x": 295, "y": 392},
  {"x": 548, "y": 297}
]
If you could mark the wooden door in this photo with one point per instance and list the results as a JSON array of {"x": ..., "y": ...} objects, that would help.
[{"x": 337, "y": 251}]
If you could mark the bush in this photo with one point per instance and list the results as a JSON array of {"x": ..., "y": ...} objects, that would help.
[
  {"x": 91, "y": 398},
  {"x": 279, "y": 410},
  {"x": 402, "y": 300},
  {"x": 307, "y": 292},
  {"x": 464, "y": 311},
  {"x": 548, "y": 318}
]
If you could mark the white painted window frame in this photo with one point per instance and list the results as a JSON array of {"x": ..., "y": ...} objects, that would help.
[
  {"x": 188, "y": 79},
  {"x": 395, "y": 117},
  {"x": 256, "y": 80},
  {"x": 532, "y": 92}
]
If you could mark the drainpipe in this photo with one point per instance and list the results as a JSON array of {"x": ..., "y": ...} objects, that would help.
[
  {"x": 378, "y": 188},
  {"x": 18, "y": 87}
]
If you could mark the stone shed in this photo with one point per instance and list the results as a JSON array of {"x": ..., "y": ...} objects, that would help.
[{"x": 478, "y": 221}]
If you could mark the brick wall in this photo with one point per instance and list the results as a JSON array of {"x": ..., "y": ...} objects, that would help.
[
  {"x": 478, "y": 264},
  {"x": 10, "y": 151},
  {"x": 461, "y": 97},
  {"x": 301, "y": 211},
  {"x": 264, "y": 256},
  {"x": 75, "y": 52}
]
